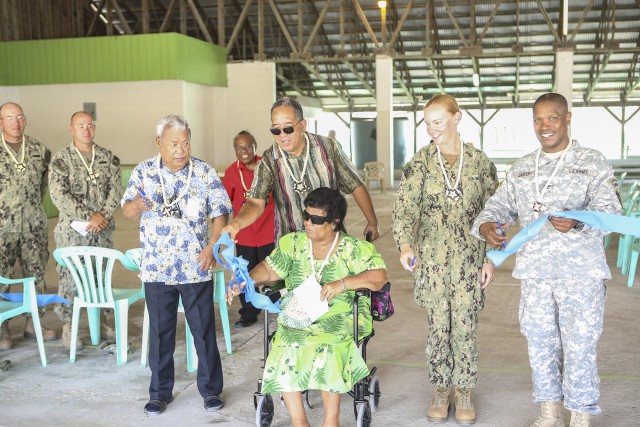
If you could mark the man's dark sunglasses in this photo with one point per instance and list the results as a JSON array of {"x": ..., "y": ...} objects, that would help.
[
  {"x": 315, "y": 219},
  {"x": 288, "y": 130}
]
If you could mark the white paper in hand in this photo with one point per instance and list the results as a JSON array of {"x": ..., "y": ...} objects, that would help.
[
  {"x": 80, "y": 227},
  {"x": 308, "y": 294}
]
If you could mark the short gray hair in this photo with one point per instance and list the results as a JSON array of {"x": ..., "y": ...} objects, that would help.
[
  {"x": 289, "y": 102},
  {"x": 173, "y": 122}
]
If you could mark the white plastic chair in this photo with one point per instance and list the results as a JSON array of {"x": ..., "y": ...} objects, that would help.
[
  {"x": 374, "y": 171},
  {"x": 92, "y": 268},
  {"x": 29, "y": 305},
  {"x": 135, "y": 255}
]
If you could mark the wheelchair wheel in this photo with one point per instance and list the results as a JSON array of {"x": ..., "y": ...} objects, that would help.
[
  {"x": 374, "y": 393},
  {"x": 363, "y": 419},
  {"x": 264, "y": 411}
]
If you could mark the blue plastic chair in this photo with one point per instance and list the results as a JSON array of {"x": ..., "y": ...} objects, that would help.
[
  {"x": 135, "y": 255},
  {"x": 29, "y": 305},
  {"x": 92, "y": 268}
]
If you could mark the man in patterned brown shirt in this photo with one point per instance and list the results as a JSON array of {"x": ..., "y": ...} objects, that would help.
[{"x": 297, "y": 163}]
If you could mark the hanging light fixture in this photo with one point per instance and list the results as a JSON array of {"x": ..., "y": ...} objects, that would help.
[{"x": 476, "y": 79}]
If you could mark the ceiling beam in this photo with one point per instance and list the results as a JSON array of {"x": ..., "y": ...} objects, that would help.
[
  {"x": 396, "y": 32},
  {"x": 478, "y": 41},
  {"x": 199, "y": 21},
  {"x": 238, "y": 26},
  {"x": 283, "y": 26},
  {"x": 313, "y": 70},
  {"x": 317, "y": 26},
  {"x": 365, "y": 22},
  {"x": 123, "y": 21},
  {"x": 549, "y": 21},
  {"x": 454, "y": 22}
]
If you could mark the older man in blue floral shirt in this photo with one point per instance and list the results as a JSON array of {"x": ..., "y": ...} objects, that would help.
[{"x": 175, "y": 194}]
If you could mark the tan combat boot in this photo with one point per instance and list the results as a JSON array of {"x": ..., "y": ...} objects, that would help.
[
  {"x": 30, "y": 332},
  {"x": 550, "y": 415},
  {"x": 580, "y": 419},
  {"x": 465, "y": 414},
  {"x": 66, "y": 338},
  {"x": 439, "y": 410},
  {"x": 5, "y": 336},
  {"x": 106, "y": 332}
]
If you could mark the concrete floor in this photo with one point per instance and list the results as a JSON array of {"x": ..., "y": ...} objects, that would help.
[{"x": 96, "y": 392}]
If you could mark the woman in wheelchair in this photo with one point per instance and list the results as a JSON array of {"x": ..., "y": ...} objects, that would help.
[{"x": 321, "y": 354}]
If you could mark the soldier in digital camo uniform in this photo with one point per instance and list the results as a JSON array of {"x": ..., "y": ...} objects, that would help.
[
  {"x": 23, "y": 223},
  {"x": 84, "y": 182},
  {"x": 443, "y": 188},
  {"x": 563, "y": 269}
]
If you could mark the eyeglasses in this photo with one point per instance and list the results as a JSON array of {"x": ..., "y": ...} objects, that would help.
[
  {"x": 11, "y": 119},
  {"x": 315, "y": 219},
  {"x": 241, "y": 148},
  {"x": 288, "y": 130}
]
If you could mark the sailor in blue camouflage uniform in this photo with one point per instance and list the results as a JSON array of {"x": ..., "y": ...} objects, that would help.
[
  {"x": 563, "y": 269},
  {"x": 24, "y": 162},
  {"x": 84, "y": 182}
]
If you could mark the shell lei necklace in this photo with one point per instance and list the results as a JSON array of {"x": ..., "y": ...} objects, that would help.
[
  {"x": 318, "y": 275},
  {"x": 168, "y": 209},
  {"x": 89, "y": 167},
  {"x": 452, "y": 191},
  {"x": 299, "y": 186},
  {"x": 20, "y": 166},
  {"x": 244, "y": 186},
  {"x": 538, "y": 203}
]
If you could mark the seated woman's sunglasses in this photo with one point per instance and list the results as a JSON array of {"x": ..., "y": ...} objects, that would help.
[{"x": 315, "y": 219}]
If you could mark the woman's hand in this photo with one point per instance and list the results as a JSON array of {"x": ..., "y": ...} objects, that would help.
[
  {"x": 330, "y": 290},
  {"x": 233, "y": 290},
  {"x": 407, "y": 257},
  {"x": 487, "y": 274}
]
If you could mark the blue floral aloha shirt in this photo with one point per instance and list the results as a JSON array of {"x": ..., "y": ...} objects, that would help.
[{"x": 171, "y": 243}]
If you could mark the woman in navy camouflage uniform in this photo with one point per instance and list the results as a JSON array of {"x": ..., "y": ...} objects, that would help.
[{"x": 443, "y": 188}]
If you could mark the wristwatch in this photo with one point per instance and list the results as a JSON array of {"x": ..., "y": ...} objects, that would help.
[{"x": 579, "y": 226}]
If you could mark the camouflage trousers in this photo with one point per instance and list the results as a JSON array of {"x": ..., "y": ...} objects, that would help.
[
  {"x": 452, "y": 308},
  {"x": 66, "y": 286},
  {"x": 562, "y": 321},
  {"x": 32, "y": 252}
]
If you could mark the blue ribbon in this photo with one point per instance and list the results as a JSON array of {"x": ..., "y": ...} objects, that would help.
[
  {"x": 600, "y": 220},
  {"x": 42, "y": 300},
  {"x": 238, "y": 267}
]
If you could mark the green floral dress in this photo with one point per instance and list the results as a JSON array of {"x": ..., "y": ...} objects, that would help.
[{"x": 323, "y": 355}]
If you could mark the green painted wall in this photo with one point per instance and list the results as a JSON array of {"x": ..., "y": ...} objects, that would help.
[{"x": 166, "y": 56}]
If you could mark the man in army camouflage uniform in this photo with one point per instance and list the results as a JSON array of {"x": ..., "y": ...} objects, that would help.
[
  {"x": 84, "y": 181},
  {"x": 23, "y": 223},
  {"x": 563, "y": 269}
]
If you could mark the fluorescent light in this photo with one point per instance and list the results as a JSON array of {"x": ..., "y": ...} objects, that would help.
[
  {"x": 382, "y": 4},
  {"x": 476, "y": 79}
]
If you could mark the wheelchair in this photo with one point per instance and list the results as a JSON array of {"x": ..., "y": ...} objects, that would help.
[{"x": 365, "y": 393}]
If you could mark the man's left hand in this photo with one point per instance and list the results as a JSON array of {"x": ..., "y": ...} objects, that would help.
[
  {"x": 563, "y": 225},
  {"x": 206, "y": 259}
]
